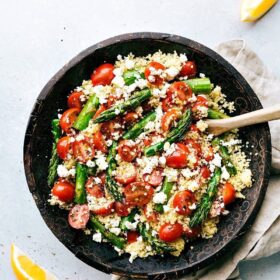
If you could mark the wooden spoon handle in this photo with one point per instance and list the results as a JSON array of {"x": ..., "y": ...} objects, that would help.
[{"x": 259, "y": 116}]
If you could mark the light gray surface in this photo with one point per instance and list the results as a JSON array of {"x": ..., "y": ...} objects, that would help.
[{"x": 37, "y": 38}]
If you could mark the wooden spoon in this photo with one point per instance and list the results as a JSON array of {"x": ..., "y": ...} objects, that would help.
[{"x": 220, "y": 126}]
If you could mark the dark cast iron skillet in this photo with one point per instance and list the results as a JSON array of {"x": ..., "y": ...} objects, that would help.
[{"x": 38, "y": 140}]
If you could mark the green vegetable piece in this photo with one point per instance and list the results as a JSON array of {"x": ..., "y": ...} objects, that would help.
[
  {"x": 81, "y": 178},
  {"x": 87, "y": 113},
  {"x": 117, "y": 241},
  {"x": 200, "y": 85},
  {"x": 158, "y": 245},
  {"x": 111, "y": 184},
  {"x": 121, "y": 108},
  {"x": 214, "y": 114},
  {"x": 130, "y": 76},
  {"x": 91, "y": 171},
  {"x": 166, "y": 188},
  {"x": 175, "y": 135},
  {"x": 207, "y": 199},
  {"x": 129, "y": 218},
  {"x": 54, "y": 160},
  {"x": 139, "y": 127}
]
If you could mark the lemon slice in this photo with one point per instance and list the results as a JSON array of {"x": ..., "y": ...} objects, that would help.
[
  {"x": 251, "y": 10},
  {"x": 26, "y": 269}
]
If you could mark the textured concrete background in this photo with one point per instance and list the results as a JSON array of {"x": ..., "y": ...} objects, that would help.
[{"x": 37, "y": 37}]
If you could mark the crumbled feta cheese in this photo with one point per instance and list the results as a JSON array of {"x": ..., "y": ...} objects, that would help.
[
  {"x": 225, "y": 175},
  {"x": 162, "y": 161},
  {"x": 118, "y": 81},
  {"x": 129, "y": 64},
  {"x": 118, "y": 71},
  {"x": 101, "y": 161},
  {"x": 63, "y": 172},
  {"x": 133, "y": 256},
  {"x": 159, "y": 197},
  {"x": 192, "y": 206},
  {"x": 140, "y": 238},
  {"x": 171, "y": 174},
  {"x": 187, "y": 173},
  {"x": 166, "y": 146},
  {"x": 201, "y": 75},
  {"x": 231, "y": 142},
  {"x": 172, "y": 72},
  {"x": 151, "y": 79},
  {"x": 183, "y": 58},
  {"x": 90, "y": 163},
  {"x": 166, "y": 208},
  {"x": 80, "y": 137},
  {"x": 115, "y": 230},
  {"x": 147, "y": 163},
  {"x": 97, "y": 237},
  {"x": 130, "y": 225},
  {"x": 170, "y": 150},
  {"x": 217, "y": 160}
]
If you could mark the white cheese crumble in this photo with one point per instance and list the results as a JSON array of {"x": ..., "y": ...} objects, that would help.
[
  {"x": 171, "y": 174},
  {"x": 225, "y": 175},
  {"x": 97, "y": 237},
  {"x": 101, "y": 161},
  {"x": 217, "y": 160},
  {"x": 63, "y": 172},
  {"x": 159, "y": 197}
]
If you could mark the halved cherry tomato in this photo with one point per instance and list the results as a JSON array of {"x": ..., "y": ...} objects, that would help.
[
  {"x": 122, "y": 209},
  {"x": 155, "y": 178},
  {"x": 63, "y": 147},
  {"x": 150, "y": 216},
  {"x": 156, "y": 79},
  {"x": 126, "y": 173},
  {"x": 130, "y": 118},
  {"x": 179, "y": 158},
  {"x": 64, "y": 191},
  {"x": 168, "y": 118},
  {"x": 94, "y": 189},
  {"x": 68, "y": 118},
  {"x": 208, "y": 153},
  {"x": 188, "y": 69},
  {"x": 114, "y": 126},
  {"x": 147, "y": 142},
  {"x": 101, "y": 109},
  {"x": 167, "y": 103},
  {"x": 194, "y": 128},
  {"x": 103, "y": 75},
  {"x": 202, "y": 100},
  {"x": 83, "y": 150},
  {"x": 205, "y": 172},
  {"x": 74, "y": 100},
  {"x": 192, "y": 233},
  {"x": 78, "y": 216},
  {"x": 170, "y": 232},
  {"x": 102, "y": 177},
  {"x": 132, "y": 236},
  {"x": 127, "y": 150},
  {"x": 99, "y": 142},
  {"x": 181, "y": 90},
  {"x": 193, "y": 146},
  {"x": 138, "y": 193},
  {"x": 229, "y": 193},
  {"x": 182, "y": 201},
  {"x": 103, "y": 210}
]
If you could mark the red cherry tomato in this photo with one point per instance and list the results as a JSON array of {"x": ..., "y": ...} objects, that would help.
[
  {"x": 208, "y": 153},
  {"x": 63, "y": 147},
  {"x": 94, "y": 189},
  {"x": 170, "y": 232},
  {"x": 151, "y": 217},
  {"x": 229, "y": 193},
  {"x": 155, "y": 178},
  {"x": 179, "y": 158},
  {"x": 130, "y": 118},
  {"x": 101, "y": 109},
  {"x": 182, "y": 201},
  {"x": 105, "y": 209},
  {"x": 64, "y": 191},
  {"x": 78, "y": 216},
  {"x": 110, "y": 127},
  {"x": 138, "y": 193},
  {"x": 181, "y": 90},
  {"x": 201, "y": 100},
  {"x": 122, "y": 209},
  {"x": 127, "y": 150},
  {"x": 103, "y": 75},
  {"x": 102, "y": 177},
  {"x": 132, "y": 236},
  {"x": 83, "y": 150},
  {"x": 194, "y": 128},
  {"x": 168, "y": 118},
  {"x": 74, "y": 100},
  {"x": 99, "y": 142},
  {"x": 157, "y": 80},
  {"x": 193, "y": 146},
  {"x": 192, "y": 233},
  {"x": 68, "y": 118},
  {"x": 167, "y": 103},
  {"x": 188, "y": 69},
  {"x": 205, "y": 172},
  {"x": 127, "y": 175}
]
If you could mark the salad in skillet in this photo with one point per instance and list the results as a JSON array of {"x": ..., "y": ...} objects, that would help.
[{"x": 132, "y": 161}]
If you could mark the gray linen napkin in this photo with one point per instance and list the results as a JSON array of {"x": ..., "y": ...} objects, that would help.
[{"x": 263, "y": 239}]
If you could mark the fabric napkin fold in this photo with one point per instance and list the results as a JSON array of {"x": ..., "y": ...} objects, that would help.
[{"x": 263, "y": 238}]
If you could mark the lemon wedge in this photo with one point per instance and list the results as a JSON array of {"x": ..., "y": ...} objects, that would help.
[
  {"x": 251, "y": 10},
  {"x": 26, "y": 269}
]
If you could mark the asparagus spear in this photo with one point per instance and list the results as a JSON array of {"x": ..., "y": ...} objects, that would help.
[
  {"x": 214, "y": 114},
  {"x": 139, "y": 127},
  {"x": 130, "y": 76},
  {"x": 205, "y": 204},
  {"x": 54, "y": 157},
  {"x": 166, "y": 188},
  {"x": 176, "y": 134},
  {"x": 81, "y": 177},
  {"x": 111, "y": 237},
  {"x": 128, "y": 218},
  {"x": 111, "y": 184},
  {"x": 121, "y": 108},
  {"x": 157, "y": 245},
  {"x": 87, "y": 113},
  {"x": 200, "y": 85}
]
